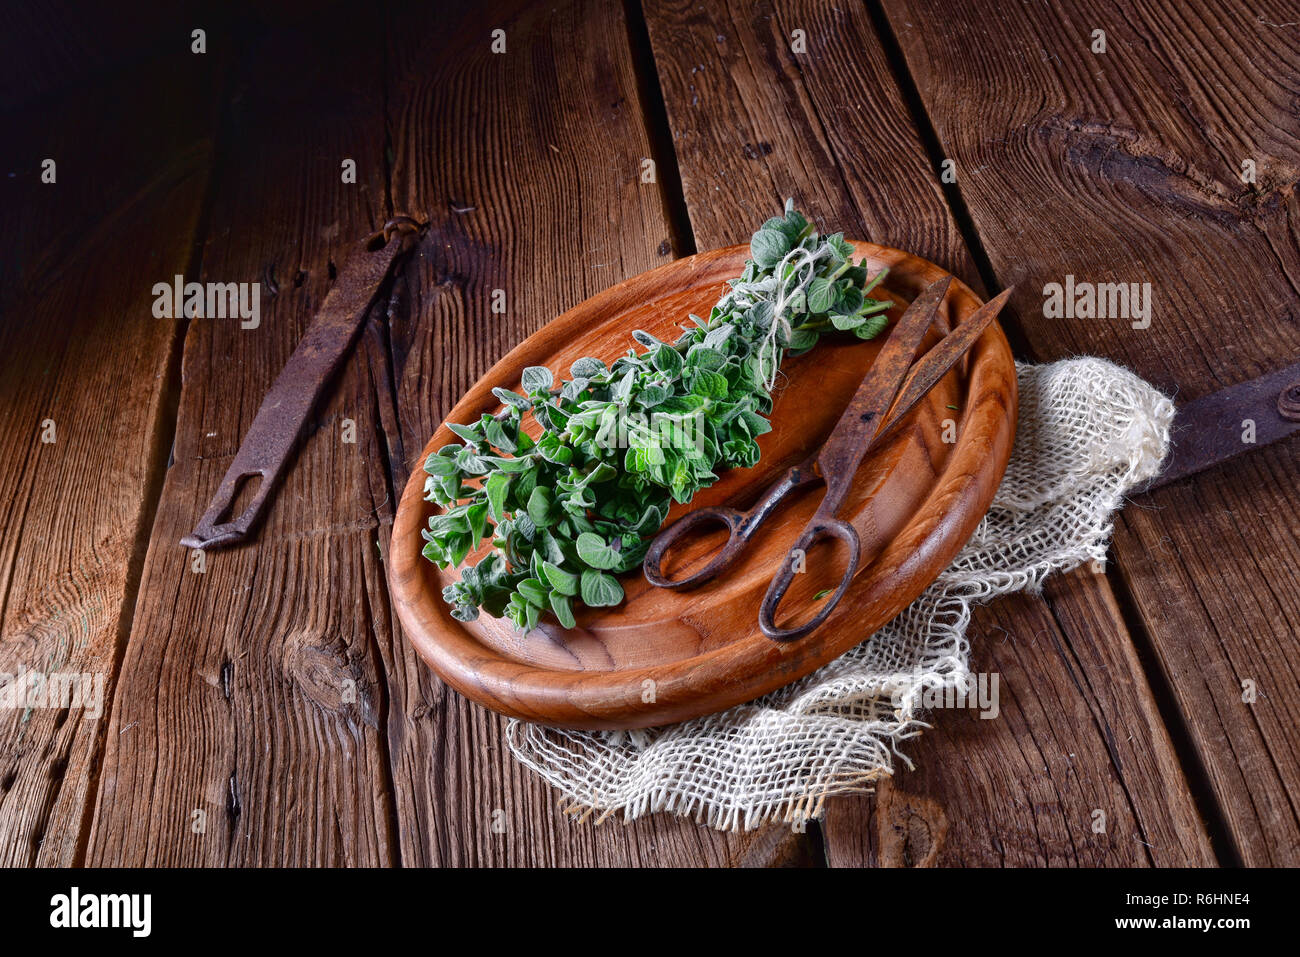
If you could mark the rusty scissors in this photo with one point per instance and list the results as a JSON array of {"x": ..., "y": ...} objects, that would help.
[{"x": 889, "y": 390}]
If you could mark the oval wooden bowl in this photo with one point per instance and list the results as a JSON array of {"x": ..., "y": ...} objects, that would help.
[{"x": 665, "y": 656}]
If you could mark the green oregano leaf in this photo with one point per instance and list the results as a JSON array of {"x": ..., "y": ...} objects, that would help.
[
  {"x": 513, "y": 399},
  {"x": 476, "y": 515},
  {"x": 563, "y": 608},
  {"x": 709, "y": 384},
  {"x": 470, "y": 433},
  {"x": 593, "y": 550},
  {"x": 563, "y": 581},
  {"x": 532, "y": 615},
  {"x": 842, "y": 248},
  {"x": 821, "y": 295},
  {"x": 600, "y": 590},
  {"x": 587, "y": 368},
  {"x": 768, "y": 247},
  {"x": 497, "y": 437},
  {"x": 553, "y": 450},
  {"x": 537, "y": 379},
  {"x": 534, "y": 591},
  {"x": 652, "y": 395},
  {"x": 668, "y": 361},
  {"x": 541, "y": 506},
  {"x": 566, "y": 583},
  {"x": 849, "y": 302},
  {"x": 873, "y": 327},
  {"x": 437, "y": 464},
  {"x": 497, "y": 486}
]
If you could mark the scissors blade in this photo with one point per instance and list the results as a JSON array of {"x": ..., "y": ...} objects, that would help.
[
  {"x": 936, "y": 363},
  {"x": 858, "y": 426}
]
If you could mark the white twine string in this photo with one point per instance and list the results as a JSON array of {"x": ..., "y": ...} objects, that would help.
[{"x": 804, "y": 262}]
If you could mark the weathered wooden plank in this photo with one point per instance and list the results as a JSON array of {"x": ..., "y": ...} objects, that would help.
[
  {"x": 753, "y": 122},
  {"x": 247, "y": 724},
  {"x": 108, "y": 151},
  {"x": 1125, "y": 166},
  {"x": 1036, "y": 802},
  {"x": 529, "y": 164},
  {"x": 87, "y": 383}
]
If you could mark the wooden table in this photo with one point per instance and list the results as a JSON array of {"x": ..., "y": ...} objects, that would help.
[{"x": 265, "y": 709}]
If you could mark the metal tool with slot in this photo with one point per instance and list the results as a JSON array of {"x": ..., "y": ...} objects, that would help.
[
  {"x": 265, "y": 450},
  {"x": 891, "y": 388}
]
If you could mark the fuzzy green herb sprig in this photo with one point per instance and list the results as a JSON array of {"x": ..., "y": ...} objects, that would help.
[{"x": 570, "y": 511}]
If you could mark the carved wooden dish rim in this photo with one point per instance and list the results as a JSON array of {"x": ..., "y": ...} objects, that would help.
[{"x": 751, "y": 665}]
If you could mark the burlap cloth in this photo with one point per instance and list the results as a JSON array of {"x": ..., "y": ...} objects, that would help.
[{"x": 1088, "y": 431}]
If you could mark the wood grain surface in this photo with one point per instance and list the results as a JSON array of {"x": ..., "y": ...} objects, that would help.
[
  {"x": 80, "y": 477},
  {"x": 275, "y": 694},
  {"x": 247, "y": 723},
  {"x": 1140, "y": 151}
]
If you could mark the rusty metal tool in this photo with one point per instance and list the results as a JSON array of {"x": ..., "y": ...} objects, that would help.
[
  {"x": 270, "y": 440},
  {"x": 891, "y": 388},
  {"x": 1208, "y": 431}
]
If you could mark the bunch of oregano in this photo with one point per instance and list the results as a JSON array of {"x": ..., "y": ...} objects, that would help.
[{"x": 571, "y": 510}]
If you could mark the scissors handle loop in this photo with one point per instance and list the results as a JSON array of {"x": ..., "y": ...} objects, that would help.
[
  {"x": 740, "y": 526},
  {"x": 820, "y": 528},
  {"x": 732, "y": 519}
]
